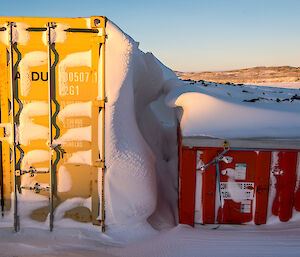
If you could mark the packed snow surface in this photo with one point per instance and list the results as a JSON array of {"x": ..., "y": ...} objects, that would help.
[
  {"x": 237, "y": 111},
  {"x": 36, "y": 58},
  {"x": 57, "y": 35},
  {"x": 34, "y": 156},
  {"x": 64, "y": 183},
  {"x": 294, "y": 85},
  {"x": 82, "y": 157},
  {"x": 77, "y": 109},
  {"x": 28, "y": 130},
  {"x": 19, "y": 34},
  {"x": 181, "y": 241},
  {"x": 75, "y": 134}
]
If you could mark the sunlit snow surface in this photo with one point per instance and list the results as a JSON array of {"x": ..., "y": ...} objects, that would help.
[
  {"x": 181, "y": 241},
  {"x": 237, "y": 111}
]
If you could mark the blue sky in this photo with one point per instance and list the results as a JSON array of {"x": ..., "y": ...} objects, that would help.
[{"x": 193, "y": 35}]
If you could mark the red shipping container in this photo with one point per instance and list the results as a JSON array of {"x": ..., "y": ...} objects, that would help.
[{"x": 257, "y": 179}]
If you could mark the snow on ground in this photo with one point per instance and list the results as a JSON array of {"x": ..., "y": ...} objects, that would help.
[
  {"x": 181, "y": 241},
  {"x": 295, "y": 85}
]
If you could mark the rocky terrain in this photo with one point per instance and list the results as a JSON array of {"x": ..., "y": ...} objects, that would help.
[{"x": 247, "y": 76}]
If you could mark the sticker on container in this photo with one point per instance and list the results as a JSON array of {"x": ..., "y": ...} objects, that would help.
[
  {"x": 245, "y": 208},
  {"x": 240, "y": 171},
  {"x": 199, "y": 163},
  {"x": 246, "y": 190}
]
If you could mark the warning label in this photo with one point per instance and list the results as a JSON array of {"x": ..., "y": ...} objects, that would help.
[
  {"x": 246, "y": 189},
  {"x": 240, "y": 171},
  {"x": 246, "y": 206}
]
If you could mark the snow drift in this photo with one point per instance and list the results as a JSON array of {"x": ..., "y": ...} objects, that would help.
[
  {"x": 140, "y": 149},
  {"x": 237, "y": 111}
]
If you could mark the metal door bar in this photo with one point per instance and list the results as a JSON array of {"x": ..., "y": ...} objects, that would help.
[
  {"x": 50, "y": 97},
  {"x": 78, "y": 30},
  {"x": 1, "y": 182},
  {"x": 103, "y": 167},
  {"x": 74, "y": 30},
  {"x": 13, "y": 122}
]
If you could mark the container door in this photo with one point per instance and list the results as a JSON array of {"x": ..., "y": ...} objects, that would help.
[
  {"x": 244, "y": 181},
  {"x": 237, "y": 187},
  {"x": 50, "y": 105}
]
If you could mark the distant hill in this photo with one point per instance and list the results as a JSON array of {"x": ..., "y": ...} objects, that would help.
[{"x": 249, "y": 75}]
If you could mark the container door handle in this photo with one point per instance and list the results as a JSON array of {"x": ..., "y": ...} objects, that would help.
[{"x": 5, "y": 131}]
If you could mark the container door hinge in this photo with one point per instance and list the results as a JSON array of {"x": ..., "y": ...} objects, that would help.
[
  {"x": 100, "y": 103},
  {"x": 18, "y": 180},
  {"x": 5, "y": 131},
  {"x": 97, "y": 222},
  {"x": 99, "y": 164}
]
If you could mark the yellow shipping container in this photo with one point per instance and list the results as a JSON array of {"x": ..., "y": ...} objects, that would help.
[{"x": 52, "y": 118}]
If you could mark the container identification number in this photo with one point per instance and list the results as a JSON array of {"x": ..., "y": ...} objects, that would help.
[{"x": 79, "y": 77}]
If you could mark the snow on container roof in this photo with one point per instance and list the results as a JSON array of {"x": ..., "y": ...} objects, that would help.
[{"x": 230, "y": 111}]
